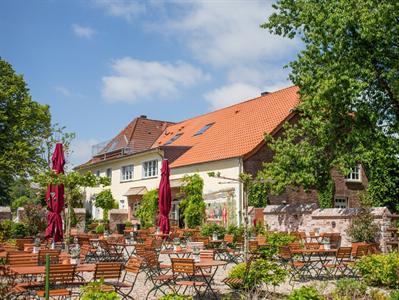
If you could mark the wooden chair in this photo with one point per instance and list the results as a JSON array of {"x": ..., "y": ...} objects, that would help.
[
  {"x": 207, "y": 254},
  {"x": 185, "y": 274},
  {"x": 253, "y": 247},
  {"x": 295, "y": 246},
  {"x": 312, "y": 246},
  {"x": 53, "y": 253},
  {"x": 20, "y": 243},
  {"x": 111, "y": 273},
  {"x": 60, "y": 275},
  {"x": 341, "y": 262},
  {"x": 295, "y": 267},
  {"x": 203, "y": 239},
  {"x": 132, "y": 271},
  {"x": 22, "y": 259},
  {"x": 261, "y": 239}
]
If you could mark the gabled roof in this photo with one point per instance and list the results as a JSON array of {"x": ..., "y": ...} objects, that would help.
[
  {"x": 138, "y": 136},
  {"x": 235, "y": 131}
]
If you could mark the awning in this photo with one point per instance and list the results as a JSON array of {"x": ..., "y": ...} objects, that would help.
[
  {"x": 174, "y": 183},
  {"x": 139, "y": 190}
]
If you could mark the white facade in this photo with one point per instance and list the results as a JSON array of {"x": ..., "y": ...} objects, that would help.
[{"x": 228, "y": 168}]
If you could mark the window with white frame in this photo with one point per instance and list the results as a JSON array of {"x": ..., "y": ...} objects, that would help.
[
  {"x": 109, "y": 173},
  {"x": 341, "y": 202},
  {"x": 98, "y": 173},
  {"x": 127, "y": 173},
  {"x": 150, "y": 168},
  {"x": 122, "y": 203},
  {"x": 354, "y": 174}
]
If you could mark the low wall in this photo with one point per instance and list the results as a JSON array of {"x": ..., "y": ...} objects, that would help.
[
  {"x": 307, "y": 218},
  {"x": 117, "y": 216},
  {"x": 5, "y": 213}
]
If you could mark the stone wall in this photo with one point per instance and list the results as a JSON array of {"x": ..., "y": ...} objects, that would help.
[
  {"x": 5, "y": 213},
  {"x": 309, "y": 218},
  {"x": 117, "y": 216}
]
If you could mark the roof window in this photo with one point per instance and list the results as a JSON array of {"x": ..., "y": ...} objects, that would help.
[
  {"x": 174, "y": 138},
  {"x": 203, "y": 129}
]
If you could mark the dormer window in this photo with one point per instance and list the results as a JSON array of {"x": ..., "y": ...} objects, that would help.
[
  {"x": 203, "y": 129},
  {"x": 174, "y": 138},
  {"x": 354, "y": 175}
]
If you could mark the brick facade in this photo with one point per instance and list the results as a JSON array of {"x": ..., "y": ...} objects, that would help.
[{"x": 343, "y": 188}]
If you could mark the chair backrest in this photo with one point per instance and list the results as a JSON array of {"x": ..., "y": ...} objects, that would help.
[
  {"x": 203, "y": 239},
  {"x": 83, "y": 240},
  {"x": 20, "y": 243},
  {"x": 335, "y": 240},
  {"x": 22, "y": 259},
  {"x": 62, "y": 273},
  {"x": 207, "y": 254},
  {"x": 253, "y": 246},
  {"x": 150, "y": 258},
  {"x": 261, "y": 239},
  {"x": 295, "y": 246},
  {"x": 344, "y": 253},
  {"x": 107, "y": 270},
  {"x": 148, "y": 242},
  {"x": 312, "y": 246},
  {"x": 8, "y": 247},
  {"x": 361, "y": 250},
  {"x": 53, "y": 253},
  {"x": 133, "y": 265},
  {"x": 285, "y": 253},
  {"x": 157, "y": 244},
  {"x": 183, "y": 266}
]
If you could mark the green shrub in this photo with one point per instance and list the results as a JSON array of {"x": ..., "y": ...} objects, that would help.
[
  {"x": 93, "y": 291},
  {"x": 305, "y": 293},
  {"x": 376, "y": 294},
  {"x": 100, "y": 229},
  {"x": 275, "y": 240},
  {"x": 236, "y": 231},
  {"x": 175, "y": 297},
  {"x": 19, "y": 230},
  {"x": 128, "y": 224},
  {"x": 148, "y": 209},
  {"x": 10, "y": 229},
  {"x": 211, "y": 228},
  {"x": 363, "y": 228},
  {"x": 348, "y": 289},
  {"x": 379, "y": 269},
  {"x": 394, "y": 295}
]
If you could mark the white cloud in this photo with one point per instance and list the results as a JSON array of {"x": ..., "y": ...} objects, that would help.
[
  {"x": 83, "y": 31},
  {"x": 226, "y": 33},
  {"x": 231, "y": 94},
  {"x": 125, "y": 9},
  {"x": 135, "y": 79},
  {"x": 81, "y": 150},
  {"x": 63, "y": 90}
]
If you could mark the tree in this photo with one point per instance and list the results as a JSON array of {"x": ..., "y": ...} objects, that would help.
[
  {"x": 23, "y": 125},
  {"x": 348, "y": 78},
  {"x": 193, "y": 205},
  {"x": 106, "y": 201},
  {"x": 148, "y": 209}
]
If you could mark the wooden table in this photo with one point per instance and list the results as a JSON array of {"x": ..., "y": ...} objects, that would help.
[
  {"x": 179, "y": 253},
  {"x": 321, "y": 254},
  {"x": 41, "y": 270}
]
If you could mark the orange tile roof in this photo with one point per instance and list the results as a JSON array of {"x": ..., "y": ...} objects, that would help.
[{"x": 237, "y": 129}]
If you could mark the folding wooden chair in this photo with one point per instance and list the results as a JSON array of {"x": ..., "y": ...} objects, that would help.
[
  {"x": 296, "y": 267},
  {"x": 341, "y": 262},
  {"x": 22, "y": 259},
  {"x": 20, "y": 243},
  {"x": 53, "y": 253},
  {"x": 132, "y": 270},
  {"x": 185, "y": 274},
  {"x": 111, "y": 273},
  {"x": 60, "y": 277}
]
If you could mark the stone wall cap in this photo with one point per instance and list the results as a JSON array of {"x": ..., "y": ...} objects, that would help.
[
  {"x": 290, "y": 208},
  {"x": 118, "y": 211},
  {"x": 79, "y": 210},
  {"x": 5, "y": 209},
  {"x": 346, "y": 212}
]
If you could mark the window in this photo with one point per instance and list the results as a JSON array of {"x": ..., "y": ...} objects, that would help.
[
  {"x": 174, "y": 138},
  {"x": 109, "y": 173},
  {"x": 98, "y": 173},
  {"x": 150, "y": 168},
  {"x": 341, "y": 202},
  {"x": 203, "y": 129},
  {"x": 354, "y": 174},
  {"x": 127, "y": 173},
  {"x": 122, "y": 203}
]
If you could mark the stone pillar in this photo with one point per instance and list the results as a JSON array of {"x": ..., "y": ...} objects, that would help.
[
  {"x": 5, "y": 213},
  {"x": 20, "y": 214},
  {"x": 117, "y": 216},
  {"x": 80, "y": 214}
]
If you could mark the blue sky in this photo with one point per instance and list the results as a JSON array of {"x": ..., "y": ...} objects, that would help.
[{"x": 99, "y": 64}]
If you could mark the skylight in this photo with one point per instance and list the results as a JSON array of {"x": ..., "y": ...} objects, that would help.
[
  {"x": 203, "y": 129},
  {"x": 174, "y": 138}
]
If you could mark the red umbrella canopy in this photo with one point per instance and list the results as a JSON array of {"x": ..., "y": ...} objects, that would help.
[
  {"x": 165, "y": 198},
  {"x": 55, "y": 198}
]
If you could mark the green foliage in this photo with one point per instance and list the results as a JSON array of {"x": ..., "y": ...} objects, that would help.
[
  {"x": 19, "y": 202},
  {"x": 394, "y": 295},
  {"x": 148, "y": 209},
  {"x": 106, "y": 201},
  {"x": 34, "y": 218},
  {"x": 210, "y": 228},
  {"x": 100, "y": 229},
  {"x": 348, "y": 289},
  {"x": 362, "y": 228},
  {"x": 24, "y": 123},
  {"x": 128, "y": 224},
  {"x": 326, "y": 195},
  {"x": 93, "y": 291},
  {"x": 193, "y": 205},
  {"x": 379, "y": 269},
  {"x": 305, "y": 293},
  {"x": 175, "y": 297},
  {"x": 257, "y": 190},
  {"x": 376, "y": 294},
  {"x": 349, "y": 86},
  {"x": 275, "y": 240},
  {"x": 11, "y": 230},
  {"x": 236, "y": 231}
]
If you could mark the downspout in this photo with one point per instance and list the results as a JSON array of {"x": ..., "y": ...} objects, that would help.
[{"x": 240, "y": 191}]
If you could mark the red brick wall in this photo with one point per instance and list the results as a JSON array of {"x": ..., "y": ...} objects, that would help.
[{"x": 342, "y": 188}]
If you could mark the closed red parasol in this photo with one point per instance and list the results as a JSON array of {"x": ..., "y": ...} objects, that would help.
[
  {"x": 165, "y": 198},
  {"x": 55, "y": 198}
]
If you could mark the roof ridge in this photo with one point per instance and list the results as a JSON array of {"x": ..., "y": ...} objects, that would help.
[{"x": 239, "y": 103}]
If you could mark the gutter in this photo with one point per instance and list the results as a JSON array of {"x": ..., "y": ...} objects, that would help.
[{"x": 240, "y": 191}]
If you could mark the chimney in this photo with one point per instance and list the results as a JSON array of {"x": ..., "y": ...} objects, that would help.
[
  {"x": 264, "y": 93},
  {"x": 143, "y": 116}
]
